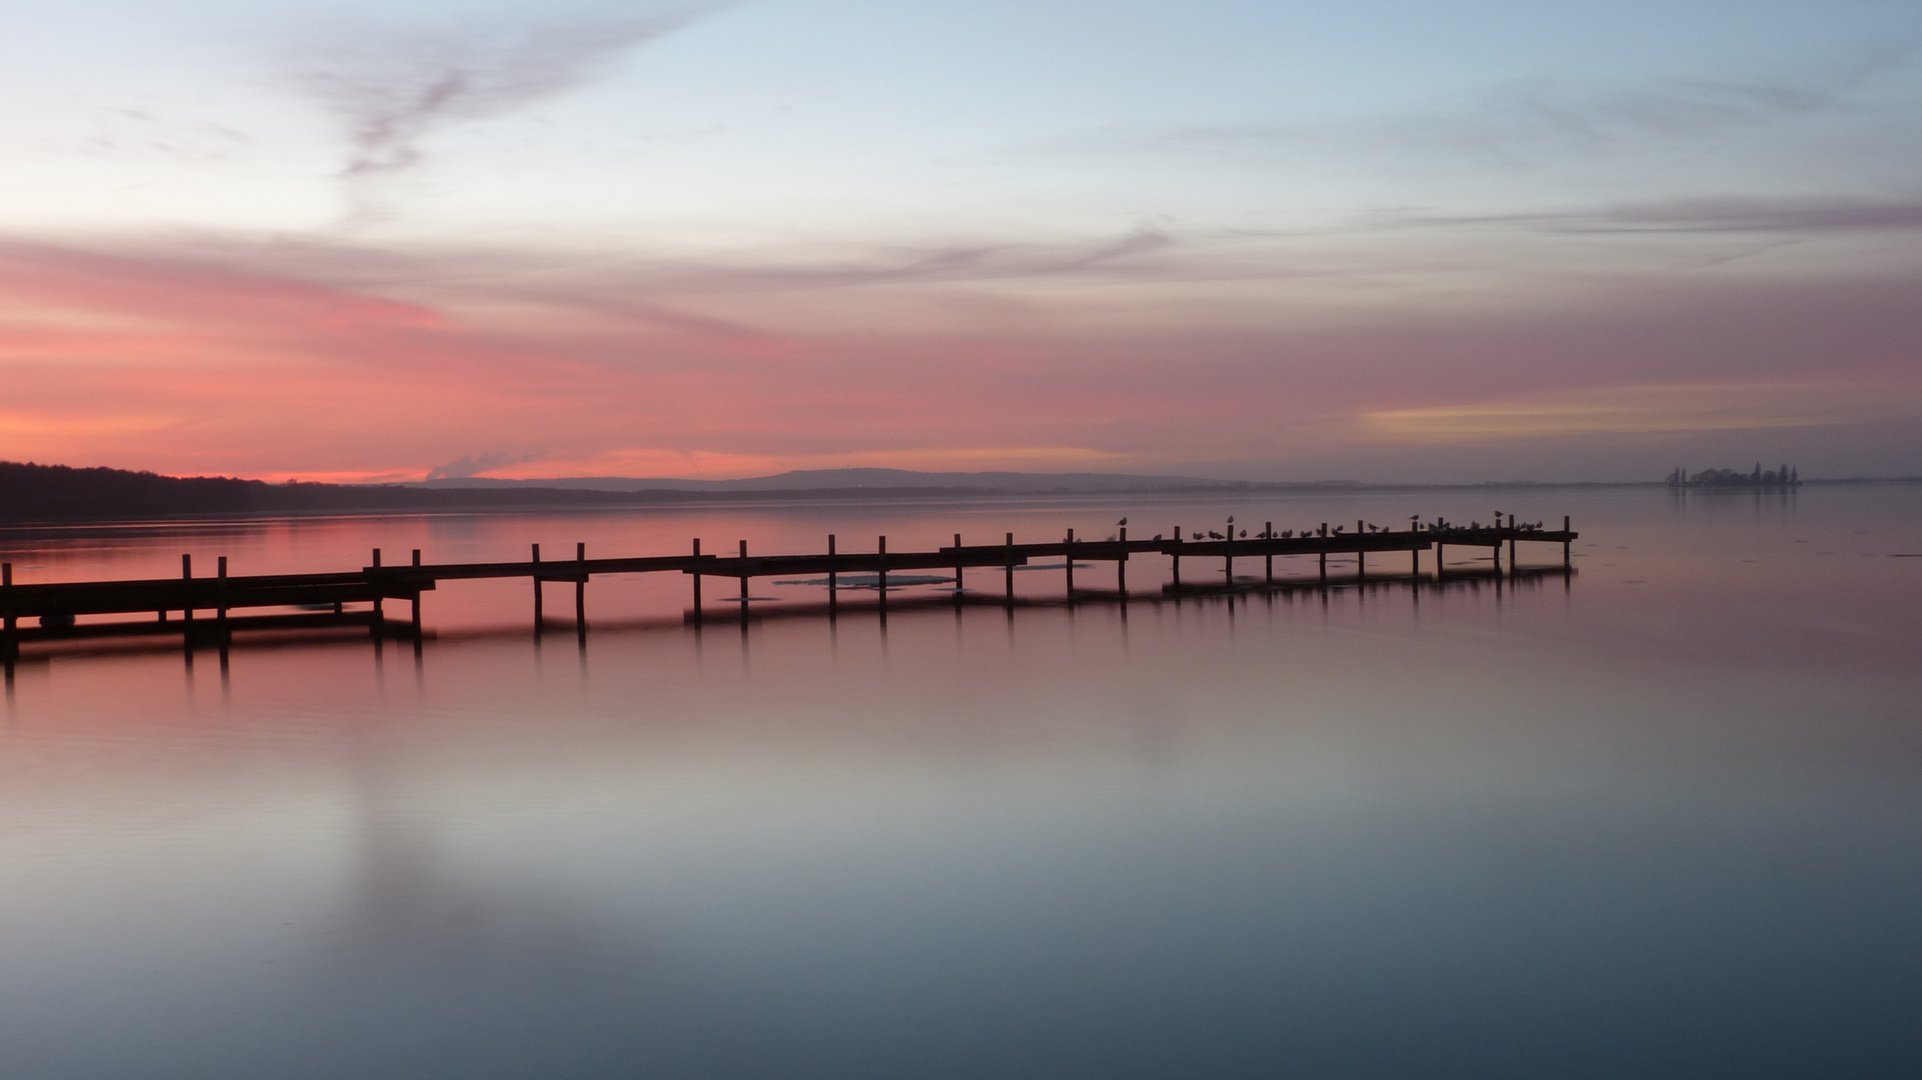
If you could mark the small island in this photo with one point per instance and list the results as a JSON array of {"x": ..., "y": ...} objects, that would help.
[{"x": 1785, "y": 477}]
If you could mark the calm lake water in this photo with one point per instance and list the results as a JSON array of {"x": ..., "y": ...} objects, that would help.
[{"x": 1662, "y": 817}]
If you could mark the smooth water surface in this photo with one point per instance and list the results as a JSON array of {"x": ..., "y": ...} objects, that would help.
[{"x": 1660, "y": 817}]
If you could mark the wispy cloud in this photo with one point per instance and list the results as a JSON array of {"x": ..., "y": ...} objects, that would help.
[
  {"x": 1521, "y": 121},
  {"x": 1651, "y": 409},
  {"x": 475, "y": 464},
  {"x": 1724, "y": 215},
  {"x": 395, "y": 89}
]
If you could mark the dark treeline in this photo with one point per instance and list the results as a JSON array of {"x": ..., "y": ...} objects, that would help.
[
  {"x": 35, "y": 493},
  {"x": 31, "y": 494},
  {"x": 1786, "y": 476}
]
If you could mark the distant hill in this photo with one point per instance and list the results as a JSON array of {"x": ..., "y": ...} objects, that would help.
[
  {"x": 34, "y": 493},
  {"x": 56, "y": 493},
  {"x": 998, "y": 483}
]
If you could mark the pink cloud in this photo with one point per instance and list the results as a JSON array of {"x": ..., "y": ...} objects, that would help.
[{"x": 299, "y": 362}]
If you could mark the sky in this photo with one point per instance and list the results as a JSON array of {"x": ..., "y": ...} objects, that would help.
[{"x": 1376, "y": 240}]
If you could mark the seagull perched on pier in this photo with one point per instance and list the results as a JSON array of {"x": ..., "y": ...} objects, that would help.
[
  {"x": 1157, "y": 536},
  {"x": 1288, "y": 535},
  {"x": 1244, "y": 534},
  {"x": 1197, "y": 536},
  {"x": 1339, "y": 528},
  {"x": 1213, "y": 535},
  {"x": 1123, "y": 521}
]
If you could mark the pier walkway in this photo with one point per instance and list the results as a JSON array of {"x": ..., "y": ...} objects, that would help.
[{"x": 198, "y": 606}]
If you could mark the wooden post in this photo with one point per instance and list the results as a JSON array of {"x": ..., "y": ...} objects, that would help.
[
  {"x": 380, "y": 605},
  {"x": 1175, "y": 559},
  {"x": 1070, "y": 562},
  {"x": 1361, "y": 563},
  {"x": 580, "y": 586},
  {"x": 1121, "y": 568},
  {"x": 1324, "y": 553},
  {"x": 1414, "y": 560},
  {"x": 1268, "y": 572},
  {"x": 537, "y": 588},
  {"x": 697, "y": 581},
  {"x": 744, "y": 600},
  {"x": 1441, "y": 560},
  {"x": 1511, "y": 543},
  {"x": 220, "y": 590},
  {"x": 1010, "y": 568},
  {"x": 1565, "y": 543},
  {"x": 832, "y": 576},
  {"x": 958, "y": 583},
  {"x": 7, "y": 621},
  {"x": 881, "y": 571},
  {"x": 416, "y": 605},
  {"x": 187, "y": 574}
]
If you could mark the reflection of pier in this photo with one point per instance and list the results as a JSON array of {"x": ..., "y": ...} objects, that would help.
[{"x": 200, "y": 608}]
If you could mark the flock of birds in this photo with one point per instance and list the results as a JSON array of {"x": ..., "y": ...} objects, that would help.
[{"x": 1439, "y": 525}]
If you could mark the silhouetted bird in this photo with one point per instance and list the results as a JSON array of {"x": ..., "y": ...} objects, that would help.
[
  {"x": 1157, "y": 536},
  {"x": 1374, "y": 528},
  {"x": 1244, "y": 534},
  {"x": 1123, "y": 521},
  {"x": 1197, "y": 536},
  {"x": 1289, "y": 535},
  {"x": 1213, "y": 535},
  {"x": 1338, "y": 529}
]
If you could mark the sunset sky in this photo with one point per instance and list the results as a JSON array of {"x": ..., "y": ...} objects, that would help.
[{"x": 1275, "y": 240}]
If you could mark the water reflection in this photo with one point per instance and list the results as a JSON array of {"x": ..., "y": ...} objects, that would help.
[{"x": 1656, "y": 818}]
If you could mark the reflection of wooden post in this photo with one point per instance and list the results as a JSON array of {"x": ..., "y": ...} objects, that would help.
[{"x": 697, "y": 581}]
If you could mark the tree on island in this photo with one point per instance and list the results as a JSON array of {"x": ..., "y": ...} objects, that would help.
[{"x": 1784, "y": 477}]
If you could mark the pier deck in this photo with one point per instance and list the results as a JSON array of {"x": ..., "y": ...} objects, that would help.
[{"x": 173, "y": 604}]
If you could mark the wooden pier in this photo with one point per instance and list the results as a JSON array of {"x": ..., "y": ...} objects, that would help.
[{"x": 201, "y": 607}]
